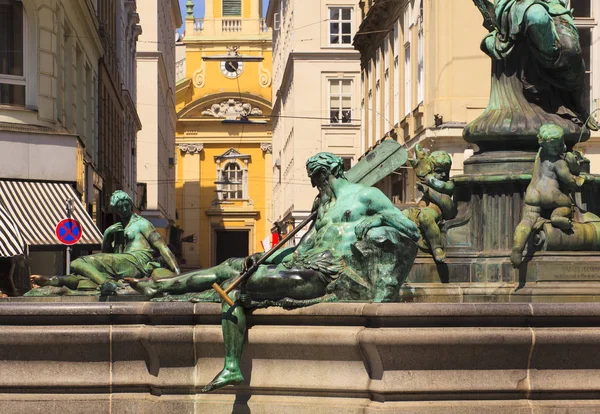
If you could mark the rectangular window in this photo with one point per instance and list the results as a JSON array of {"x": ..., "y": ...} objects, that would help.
[
  {"x": 387, "y": 100},
  {"x": 378, "y": 86},
  {"x": 407, "y": 63},
  {"x": 581, "y": 8},
  {"x": 584, "y": 11},
  {"x": 232, "y": 177},
  {"x": 12, "y": 53},
  {"x": 340, "y": 26},
  {"x": 585, "y": 39},
  {"x": 232, "y": 7},
  {"x": 340, "y": 101},
  {"x": 420, "y": 66},
  {"x": 396, "y": 82}
]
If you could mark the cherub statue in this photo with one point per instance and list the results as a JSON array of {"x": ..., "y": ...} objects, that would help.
[
  {"x": 556, "y": 173},
  {"x": 433, "y": 172}
]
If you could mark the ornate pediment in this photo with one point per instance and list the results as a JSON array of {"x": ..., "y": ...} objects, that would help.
[
  {"x": 232, "y": 153},
  {"x": 231, "y": 109}
]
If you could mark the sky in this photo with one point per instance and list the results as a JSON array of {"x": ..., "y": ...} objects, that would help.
[{"x": 199, "y": 9}]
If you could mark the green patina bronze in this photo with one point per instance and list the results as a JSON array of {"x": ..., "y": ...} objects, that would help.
[
  {"x": 360, "y": 247},
  {"x": 538, "y": 74},
  {"x": 128, "y": 249},
  {"x": 433, "y": 173},
  {"x": 551, "y": 211}
]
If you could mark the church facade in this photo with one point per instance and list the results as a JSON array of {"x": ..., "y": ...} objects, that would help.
[{"x": 223, "y": 140}]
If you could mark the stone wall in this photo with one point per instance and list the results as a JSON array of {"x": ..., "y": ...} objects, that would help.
[{"x": 345, "y": 357}]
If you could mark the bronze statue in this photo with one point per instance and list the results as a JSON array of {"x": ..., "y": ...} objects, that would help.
[
  {"x": 360, "y": 247},
  {"x": 538, "y": 74},
  {"x": 433, "y": 173},
  {"x": 556, "y": 174},
  {"x": 127, "y": 251}
]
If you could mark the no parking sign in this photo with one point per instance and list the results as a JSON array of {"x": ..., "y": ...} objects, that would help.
[{"x": 68, "y": 231}]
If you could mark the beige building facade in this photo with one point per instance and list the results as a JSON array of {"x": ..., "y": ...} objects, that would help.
[
  {"x": 316, "y": 96},
  {"x": 424, "y": 78},
  {"x": 155, "y": 60},
  {"x": 48, "y": 97}
]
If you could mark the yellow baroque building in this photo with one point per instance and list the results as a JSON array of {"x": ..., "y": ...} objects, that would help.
[{"x": 224, "y": 161}]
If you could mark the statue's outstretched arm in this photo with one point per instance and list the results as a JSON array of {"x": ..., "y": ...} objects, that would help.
[
  {"x": 565, "y": 177},
  {"x": 157, "y": 242},
  {"x": 109, "y": 237},
  {"x": 444, "y": 202},
  {"x": 446, "y": 187},
  {"x": 383, "y": 213}
]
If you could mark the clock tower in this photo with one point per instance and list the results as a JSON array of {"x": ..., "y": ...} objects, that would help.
[{"x": 223, "y": 152}]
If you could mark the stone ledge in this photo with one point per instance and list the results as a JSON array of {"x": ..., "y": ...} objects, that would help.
[
  {"x": 368, "y": 357},
  {"x": 326, "y": 314}
]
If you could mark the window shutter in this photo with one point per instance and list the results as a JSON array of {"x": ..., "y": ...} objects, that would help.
[{"x": 232, "y": 7}]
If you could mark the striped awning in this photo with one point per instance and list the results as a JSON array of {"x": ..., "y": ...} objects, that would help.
[
  {"x": 37, "y": 207},
  {"x": 11, "y": 241}
]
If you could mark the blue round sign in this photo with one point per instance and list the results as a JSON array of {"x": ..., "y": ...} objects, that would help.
[{"x": 68, "y": 231}]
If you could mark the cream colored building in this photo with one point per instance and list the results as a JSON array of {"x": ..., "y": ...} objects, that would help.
[
  {"x": 316, "y": 96},
  {"x": 424, "y": 77},
  {"x": 49, "y": 52},
  {"x": 155, "y": 60},
  {"x": 48, "y": 92}
]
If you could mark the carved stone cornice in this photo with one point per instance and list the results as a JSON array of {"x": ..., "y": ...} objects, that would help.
[
  {"x": 266, "y": 147},
  {"x": 191, "y": 148}
]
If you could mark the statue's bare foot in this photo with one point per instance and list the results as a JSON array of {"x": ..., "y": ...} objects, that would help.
[
  {"x": 516, "y": 258},
  {"x": 225, "y": 377},
  {"x": 439, "y": 255},
  {"x": 39, "y": 280},
  {"x": 142, "y": 285},
  {"x": 562, "y": 223}
]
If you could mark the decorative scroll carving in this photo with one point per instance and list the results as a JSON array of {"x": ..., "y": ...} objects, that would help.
[
  {"x": 267, "y": 147},
  {"x": 264, "y": 76},
  {"x": 199, "y": 76},
  {"x": 231, "y": 109},
  {"x": 191, "y": 148}
]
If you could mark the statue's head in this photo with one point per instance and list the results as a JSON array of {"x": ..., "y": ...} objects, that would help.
[
  {"x": 551, "y": 139},
  {"x": 438, "y": 163},
  {"x": 322, "y": 165},
  {"x": 121, "y": 203}
]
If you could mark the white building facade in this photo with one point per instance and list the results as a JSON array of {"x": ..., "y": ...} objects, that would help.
[
  {"x": 49, "y": 53},
  {"x": 316, "y": 96},
  {"x": 156, "y": 108}
]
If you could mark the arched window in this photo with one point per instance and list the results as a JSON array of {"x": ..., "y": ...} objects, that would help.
[
  {"x": 12, "y": 53},
  {"x": 233, "y": 175}
]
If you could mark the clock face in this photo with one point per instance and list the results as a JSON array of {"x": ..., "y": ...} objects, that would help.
[{"x": 232, "y": 69}]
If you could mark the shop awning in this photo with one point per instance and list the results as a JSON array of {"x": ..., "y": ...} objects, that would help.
[
  {"x": 35, "y": 208},
  {"x": 11, "y": 241}
]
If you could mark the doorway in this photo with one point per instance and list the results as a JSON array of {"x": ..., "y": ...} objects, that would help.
[{"x": 231, "y": 243}]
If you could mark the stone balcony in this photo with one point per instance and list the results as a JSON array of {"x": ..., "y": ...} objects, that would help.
[{"x": 231, "y": 26}]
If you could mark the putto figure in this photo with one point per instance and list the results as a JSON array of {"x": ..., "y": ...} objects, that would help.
[
  {"x": 433, "y": 173},
  {"x": 127, "y": 251},
  {"x": 555, "y": 175},
  {"x": 360, "y": 247}
]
